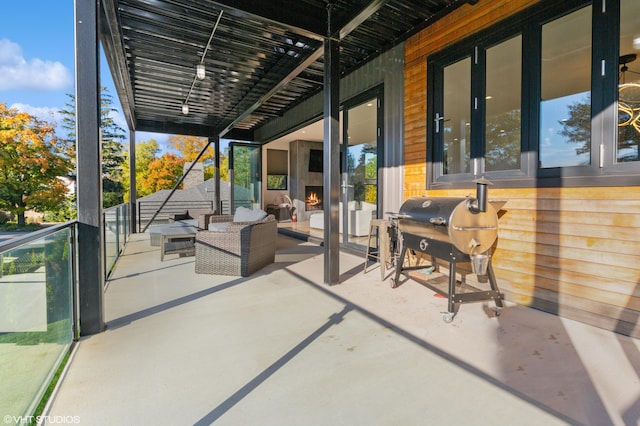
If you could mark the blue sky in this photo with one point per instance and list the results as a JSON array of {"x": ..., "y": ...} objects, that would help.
[{"x": 37, "y": 60}]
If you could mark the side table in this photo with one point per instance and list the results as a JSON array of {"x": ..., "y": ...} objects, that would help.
[{"x": 178, "y": 241}]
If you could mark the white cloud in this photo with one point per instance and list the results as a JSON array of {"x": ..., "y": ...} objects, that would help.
[
  {"x": 49, "y": 114},
  {"x": 53, "y": 116},
  {"x": 35, "y": 74}
]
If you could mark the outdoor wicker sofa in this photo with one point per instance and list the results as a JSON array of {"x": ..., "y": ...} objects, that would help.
[{"x": 241, "y": 249}]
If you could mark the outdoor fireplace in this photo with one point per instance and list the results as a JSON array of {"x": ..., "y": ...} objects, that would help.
[{"x": 313, "y": 198}]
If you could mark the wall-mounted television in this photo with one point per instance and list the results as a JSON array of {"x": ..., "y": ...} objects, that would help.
[{"x": 315, "y": 160}]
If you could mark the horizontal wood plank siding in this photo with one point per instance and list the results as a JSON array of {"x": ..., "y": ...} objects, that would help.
[{"x": 574, "y": 252}]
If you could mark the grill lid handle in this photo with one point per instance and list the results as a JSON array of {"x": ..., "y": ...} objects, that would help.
[
  {"x": 438, "y": 221},
  {"x": 473, "y": 228}
]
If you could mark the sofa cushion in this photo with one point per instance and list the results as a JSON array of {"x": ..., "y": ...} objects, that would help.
[{"x": 244, "y": 214}]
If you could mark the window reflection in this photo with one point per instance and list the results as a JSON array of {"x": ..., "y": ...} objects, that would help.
[
  {"x": 628, "y": 146},
  {"x": 565, "y": 107},
  {"x": 503, "y": 103},
  {"x": 362, "y": 159},
  {"x": 457, "y": 117}
]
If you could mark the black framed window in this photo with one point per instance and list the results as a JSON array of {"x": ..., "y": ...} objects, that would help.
[
  {"x": 503, "y": 105},
  {"x": 541, "y": 99},
  {"x": 456, "y": 117},
  {"x": 565, "y": 91}
]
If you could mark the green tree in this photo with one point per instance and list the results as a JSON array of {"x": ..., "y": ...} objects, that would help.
[
  {"x": 363, "y": 172},
  {"x": 503, "y": 141},
  {"x": 112, "y": 146},
  {"x": 32, "y": 159},
  {"x": 146, "y": 153},
  {"x": 577, "y": 128}
]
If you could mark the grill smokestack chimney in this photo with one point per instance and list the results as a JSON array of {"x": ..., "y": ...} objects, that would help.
[{"x": 480, "y": 204}]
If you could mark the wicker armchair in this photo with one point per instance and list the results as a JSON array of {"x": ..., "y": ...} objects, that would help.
[{"x": 242, "y": 249}]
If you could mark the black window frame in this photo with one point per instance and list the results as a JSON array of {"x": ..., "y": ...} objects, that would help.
[{"x": 603, "y": 169}]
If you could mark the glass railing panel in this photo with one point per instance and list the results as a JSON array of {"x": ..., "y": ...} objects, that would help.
[
  {"x": 124, "y": 225},
  {"x": 111, "y": 231},
  {"x": 36, "y": 318}
]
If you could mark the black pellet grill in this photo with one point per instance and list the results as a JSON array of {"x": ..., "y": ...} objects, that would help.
[{"x": 456, "y": 230}]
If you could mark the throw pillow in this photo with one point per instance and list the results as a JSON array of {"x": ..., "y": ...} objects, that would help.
[{"x": 244, "y": 214}]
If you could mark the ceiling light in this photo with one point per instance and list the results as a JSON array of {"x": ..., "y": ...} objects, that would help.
[
  {"x": 200, "y": 71},
  {"x": 636, "y": 43},
  {"x": 200, "y": 68}
]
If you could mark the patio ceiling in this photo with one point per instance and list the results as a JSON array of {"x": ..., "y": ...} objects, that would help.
[{"x": 261, "y": 57}]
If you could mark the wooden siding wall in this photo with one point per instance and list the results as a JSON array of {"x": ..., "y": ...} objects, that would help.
[{"x": 574, "y": 252}]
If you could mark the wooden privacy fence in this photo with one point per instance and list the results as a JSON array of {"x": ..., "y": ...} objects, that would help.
[{"x": 146, "y": 209}]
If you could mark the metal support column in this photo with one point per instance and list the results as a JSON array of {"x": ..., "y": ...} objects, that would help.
[
  {"x": 232, "y": 195},
  {"x": 89, "y": 177},
  {"x": 331, "y": 154},
  {"x": 215, "y": 140},
  {"x": 133, "y": 195}
]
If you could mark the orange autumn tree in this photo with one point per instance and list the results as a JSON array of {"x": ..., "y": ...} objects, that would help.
[
  {"x": 162, "y": 173},
  {"x": 190, "y": 146},
  {"x": 32, "y": 161}
]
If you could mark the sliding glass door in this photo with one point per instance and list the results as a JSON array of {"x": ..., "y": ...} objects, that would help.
[
  {"x": 245, "y": 171},
  {"x": 361, "y": 147}
]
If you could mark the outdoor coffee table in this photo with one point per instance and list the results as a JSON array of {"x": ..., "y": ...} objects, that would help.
[
  {"x": 177, "y": 240},
  {"x": 156, "y": 231}
]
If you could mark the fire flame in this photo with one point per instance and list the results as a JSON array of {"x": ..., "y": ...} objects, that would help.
[{"x": 313, "y": 199}]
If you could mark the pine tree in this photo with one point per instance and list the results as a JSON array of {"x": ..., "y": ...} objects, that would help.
[{"x": 112, "y": 146}]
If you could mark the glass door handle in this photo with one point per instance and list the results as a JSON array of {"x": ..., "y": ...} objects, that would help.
[{"x": 437, "y": 120}]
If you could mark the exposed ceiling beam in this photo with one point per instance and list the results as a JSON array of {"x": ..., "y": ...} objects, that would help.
[
  {"x": 282, "y": 12},
  {"x": 118, "y": 63},
  {"x": 364, "y": 14},
  {"x": 293, "y": 74}
]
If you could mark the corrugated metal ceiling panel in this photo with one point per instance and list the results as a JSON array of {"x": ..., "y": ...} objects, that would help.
[{"x": 253, "y": 61}]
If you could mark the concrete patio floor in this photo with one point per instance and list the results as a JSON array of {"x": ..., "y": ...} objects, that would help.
[{"x": 281, "y": 348}]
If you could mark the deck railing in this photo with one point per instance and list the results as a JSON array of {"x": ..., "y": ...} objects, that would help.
[
  {"x": 116, "y": 234},
  {"x": 37, "y": 314},
  {"x": 38, "y": 310}
]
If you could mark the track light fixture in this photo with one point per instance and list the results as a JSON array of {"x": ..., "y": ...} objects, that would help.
[{"x": 200, "y": 71}]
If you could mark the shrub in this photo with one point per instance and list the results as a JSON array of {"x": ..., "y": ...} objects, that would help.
[{"x": 5, "y": 217}]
